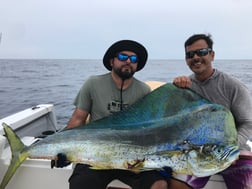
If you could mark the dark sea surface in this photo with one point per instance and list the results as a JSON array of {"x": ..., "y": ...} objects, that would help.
[{"x": 26, "y": 83}]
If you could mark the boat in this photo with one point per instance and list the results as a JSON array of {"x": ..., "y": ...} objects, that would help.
[{"x": 36, "y": 123}]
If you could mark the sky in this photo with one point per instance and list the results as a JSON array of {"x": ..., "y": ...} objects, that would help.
[{"x": 84, "y": 29}]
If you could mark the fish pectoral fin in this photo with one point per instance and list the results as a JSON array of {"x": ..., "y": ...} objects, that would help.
[{"x": 134, "y": 164}]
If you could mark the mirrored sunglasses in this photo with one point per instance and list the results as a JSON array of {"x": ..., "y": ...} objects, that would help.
[
  {"x": 200, "y": 52},
  {"x": 124, "y": 57}
]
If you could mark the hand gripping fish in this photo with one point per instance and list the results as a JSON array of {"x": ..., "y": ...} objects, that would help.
[{"x": 171, "y": 127}]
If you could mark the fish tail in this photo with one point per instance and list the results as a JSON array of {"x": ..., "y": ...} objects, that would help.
[{"x": 17, "y": 146}]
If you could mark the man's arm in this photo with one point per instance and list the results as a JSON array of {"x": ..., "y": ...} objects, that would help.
[{"x": 79, "y": 117}]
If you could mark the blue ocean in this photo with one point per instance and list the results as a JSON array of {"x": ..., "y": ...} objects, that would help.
[{"x": 29, "y": 82}]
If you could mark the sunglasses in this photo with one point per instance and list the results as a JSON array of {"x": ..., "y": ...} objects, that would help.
[
  {"x": 200, "y": 52},
  {"x": 124, "y": 57}
]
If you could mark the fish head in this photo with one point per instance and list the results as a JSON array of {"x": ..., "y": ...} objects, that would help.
[{"x": 211, "y": 159}]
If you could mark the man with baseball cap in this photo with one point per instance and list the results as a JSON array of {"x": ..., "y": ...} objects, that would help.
[{"x": 102, "y": 95}]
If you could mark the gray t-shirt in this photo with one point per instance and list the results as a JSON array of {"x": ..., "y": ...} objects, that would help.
[
  {"x": 100, "y": 96},
  {"x": 225, "y": 90}
]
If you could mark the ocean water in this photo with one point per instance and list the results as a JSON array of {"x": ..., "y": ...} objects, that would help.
[{"x": 26, "y": 83}]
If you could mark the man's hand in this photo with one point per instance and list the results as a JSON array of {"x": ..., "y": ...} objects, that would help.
[
  {"x": 61, "y": 161},
  {"x": 182, "y": 82}
]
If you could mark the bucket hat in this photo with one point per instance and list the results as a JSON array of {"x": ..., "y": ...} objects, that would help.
[{"x": 126, "y": 45}]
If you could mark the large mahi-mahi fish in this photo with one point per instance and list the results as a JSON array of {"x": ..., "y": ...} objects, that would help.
[{"x": 169, "y": 127}]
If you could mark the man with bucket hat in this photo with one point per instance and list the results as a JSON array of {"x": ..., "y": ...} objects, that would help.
[{"x": 102, "y": 95}]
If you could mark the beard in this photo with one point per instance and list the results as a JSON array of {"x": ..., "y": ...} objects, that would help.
[{"x": 124, "y": 73}]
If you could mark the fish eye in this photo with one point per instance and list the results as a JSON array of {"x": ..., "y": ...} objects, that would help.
[{"x": 217, "y": 151}]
